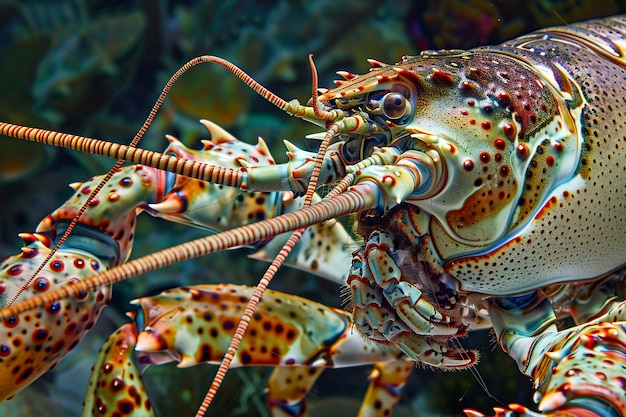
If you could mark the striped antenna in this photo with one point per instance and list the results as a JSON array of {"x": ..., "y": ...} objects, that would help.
[{"x": 333, "y": 130}]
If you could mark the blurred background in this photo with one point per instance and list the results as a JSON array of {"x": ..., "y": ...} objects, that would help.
[{"x": 95, "y": 68}]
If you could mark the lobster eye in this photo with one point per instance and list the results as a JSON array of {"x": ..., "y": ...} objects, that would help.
[{"x": 394, "y": 105}]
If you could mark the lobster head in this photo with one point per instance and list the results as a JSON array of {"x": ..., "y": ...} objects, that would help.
[{"x": 505, "y": 134}]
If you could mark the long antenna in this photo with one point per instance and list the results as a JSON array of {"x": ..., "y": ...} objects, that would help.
[
  {"x": 333, "y": 130},
  {"x": 257, "y": 87}
]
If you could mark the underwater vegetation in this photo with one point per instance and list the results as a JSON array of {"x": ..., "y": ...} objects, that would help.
[{"x": 95, "y": 68}]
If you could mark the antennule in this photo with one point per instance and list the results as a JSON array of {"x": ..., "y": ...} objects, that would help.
[{"x": 322, "y": 114}]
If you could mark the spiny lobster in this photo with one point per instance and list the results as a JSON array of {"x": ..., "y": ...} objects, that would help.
[{"x": 487, "y": 192}]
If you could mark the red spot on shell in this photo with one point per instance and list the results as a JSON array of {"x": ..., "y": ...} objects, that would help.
[
  {"x": 550, "y": 161},
  {"x": 509, "y": 130},
  {"x": 468, "y": 165},
  {"x": 25, "y": 375},
  {"x": 441, "y": 77},
  {"x": 126, "y": 182},
  {"x": 3, "y": 288},
  {"x": 5, "y": 351},
  {"x": 40, "y": 335},
  {"x": 500, "y": 144},
  {"x": 11, "y": 321},
  {"x": 558, "y": 147},
  {"x": 504, "y": 97},
  {"x": 522, "y": 150},
  {"x": 464, "y": 112},
  {"x": 471, "y": 102},
  {"x": 117, "y": 384},
  {"x": 389, "y": 180},
  {"x": 472, "y": 122},
  {"x": 86, "y": 190},
  {"x": 486, "y": 125},
  {"x": 41, "y": 284},
  {"x": 485, "y": 157},
  {"x": 504, "y": 171},
  {"x": 53, "y": 307},
  {"x": 79, "y": 263},
  {"x": 15, "y": 270},
  {"x": 70, "y": 329},
  {"x": 113, "y": 197},
  {"x": 94, "y": 202},
  {"x": 100, "y": 406},
  {"x": 57, "y": 266}
]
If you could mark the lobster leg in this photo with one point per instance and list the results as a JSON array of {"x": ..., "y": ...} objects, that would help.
[
  {"x": 390, "y": 309},
  {"x": 591, "y": 301},
  {"x": 31, "y": 343},
  {"x": 386, "y": 382},
  {"x": 288, "y": 388},
  {"x": 216, "y": 207},
  {"x": 104, "y": 238},
  {"x": 577, "y": 371},
  {"x": 115, "y": 387},
  {"x": 194, "y": 324}
]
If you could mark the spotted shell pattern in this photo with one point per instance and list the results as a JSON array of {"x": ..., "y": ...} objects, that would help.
[
  {"x": 33, "y": 342},
  {"x": 115, "y": 387},
  {"x": 114, "y": 210},
  {"x": 195, "y": 324}
]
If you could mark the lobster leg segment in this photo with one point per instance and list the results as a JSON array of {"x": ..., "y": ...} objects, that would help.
[
  {"x": 420, "y": 315},
  {"x": 107, "y": 226},
  {"x": 289, "y": 385},
  {"x": 388, "y": 308},
  {"x": 215, "y": 207},
  {"x": 115, "y": 386},
  {"x": 32, "y": 343},
  {"x": 577, "y": 371},
  {"x": 287, "y": 390},
  {"x": 195, "y": 324},
  {"x": 386, "y": 383}
]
